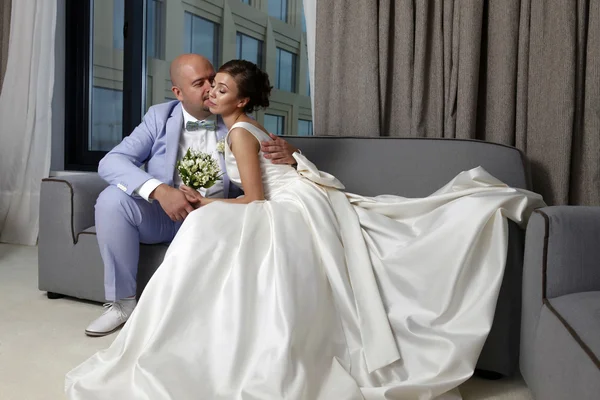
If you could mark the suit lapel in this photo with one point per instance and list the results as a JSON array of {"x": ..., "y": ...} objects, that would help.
[{"x": 173, "y": 133}]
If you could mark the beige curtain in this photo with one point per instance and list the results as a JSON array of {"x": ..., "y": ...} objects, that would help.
[
  {"x": 4, "y": 34},
  {"x": 519, "y": 72}
]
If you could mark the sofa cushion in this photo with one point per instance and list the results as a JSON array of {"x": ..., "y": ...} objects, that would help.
[
  {"x": 581, "y": 314},
  {"x": 89, "y": 231}
]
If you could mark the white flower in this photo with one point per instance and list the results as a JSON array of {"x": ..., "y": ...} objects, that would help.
[{"x": 221, "y": 146}]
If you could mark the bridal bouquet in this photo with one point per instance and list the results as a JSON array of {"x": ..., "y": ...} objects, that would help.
[{"x": 198, "y": 170}]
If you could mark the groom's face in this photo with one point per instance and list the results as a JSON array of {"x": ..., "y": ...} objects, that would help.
[{"x": 194, "y": 86}]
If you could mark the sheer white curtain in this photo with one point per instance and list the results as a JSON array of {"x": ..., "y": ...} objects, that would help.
[
  {"x": 310, "y": 16},
  {"x": 25, "y": 118}
]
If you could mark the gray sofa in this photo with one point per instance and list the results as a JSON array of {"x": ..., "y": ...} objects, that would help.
[
  {"x": 560, "y": 342},
  {"x": 70, "y": 263}
]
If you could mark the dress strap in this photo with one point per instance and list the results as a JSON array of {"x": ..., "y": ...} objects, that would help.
[{"x": 256, "y": 132}]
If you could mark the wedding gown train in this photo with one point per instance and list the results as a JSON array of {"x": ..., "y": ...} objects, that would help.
[{"x": 316, "y": 294}]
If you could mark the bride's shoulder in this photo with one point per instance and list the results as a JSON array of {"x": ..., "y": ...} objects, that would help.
[
  {"x": 240, "y": 137},
  {"x": 245, "y": 128}
]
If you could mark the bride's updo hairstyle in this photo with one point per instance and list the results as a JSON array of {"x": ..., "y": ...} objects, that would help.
[{"x": 251, "y": 81}]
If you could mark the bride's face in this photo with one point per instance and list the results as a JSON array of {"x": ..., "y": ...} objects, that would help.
[{"x": 224, "y": 95}]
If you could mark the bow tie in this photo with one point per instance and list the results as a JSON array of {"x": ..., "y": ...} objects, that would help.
[{"x": 194, "y": 126}]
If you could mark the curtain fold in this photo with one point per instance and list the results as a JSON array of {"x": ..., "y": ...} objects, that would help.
[
  {"x": 516, "y": 72},
  {"x": 346, "y": 68},
  {"x": 5, "y": 6},
  {"x": 25, "y": 118}
]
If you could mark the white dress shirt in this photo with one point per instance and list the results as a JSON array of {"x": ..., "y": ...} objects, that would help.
[{"x": 204, "y": 140}]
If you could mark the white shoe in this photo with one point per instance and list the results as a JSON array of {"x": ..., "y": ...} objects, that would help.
[{"x": 112, "y": 319}]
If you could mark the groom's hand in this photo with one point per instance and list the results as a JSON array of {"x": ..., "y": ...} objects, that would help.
[
  {"x": 173, "y": 201},
  {"x": 278, "y": 150},
  {"x": 193, "y": 196}
]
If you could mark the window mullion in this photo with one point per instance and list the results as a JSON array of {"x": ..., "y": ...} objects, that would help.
[{"x": 134, "y": 64}]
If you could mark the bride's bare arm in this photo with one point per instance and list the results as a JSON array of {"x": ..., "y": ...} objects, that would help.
[{"x": 245, "y": 147}]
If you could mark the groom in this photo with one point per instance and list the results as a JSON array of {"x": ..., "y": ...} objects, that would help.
[{"x": 145, "y": 205}]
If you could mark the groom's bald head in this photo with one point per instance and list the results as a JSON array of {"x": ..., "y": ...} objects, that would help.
[
  {"x": 190, "y": 66},
  {"x": 192, "y": 76}
]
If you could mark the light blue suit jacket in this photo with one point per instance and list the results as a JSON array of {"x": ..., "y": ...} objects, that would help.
[{"x": 154, "y": 143}]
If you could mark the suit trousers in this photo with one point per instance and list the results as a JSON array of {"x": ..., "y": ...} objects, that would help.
[{"x": 122, "y": 223}]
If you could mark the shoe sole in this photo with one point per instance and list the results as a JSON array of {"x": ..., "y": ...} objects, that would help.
[{"x": 100, "y": 334}]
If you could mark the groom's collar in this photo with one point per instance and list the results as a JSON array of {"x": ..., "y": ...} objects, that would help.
[{"x": 187, "y": 117}]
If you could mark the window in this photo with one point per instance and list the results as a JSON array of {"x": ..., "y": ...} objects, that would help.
[
  {"x": 249, "y": 49},
  {"x": 285, "y": 72},
  {"x": 106, "y": 114},
  {"x": 107, "y": 123},
  {"x": 118, "y": 23},
  {"x": 155, "y": 29},
  {"x": 94, "y": 102},
  {"x": 274, "y": 124},
  {"x": 113, "y": 79},
  {"x": 278, "y": 9},
  {"x": 305, "y": 127},
  {"x": 201, "y": 37}
]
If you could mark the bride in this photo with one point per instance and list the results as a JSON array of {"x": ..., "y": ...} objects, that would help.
[{"x": 300, "y": 291}]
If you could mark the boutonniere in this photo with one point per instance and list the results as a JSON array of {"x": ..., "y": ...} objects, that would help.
[{"x": 221, "y": 146}]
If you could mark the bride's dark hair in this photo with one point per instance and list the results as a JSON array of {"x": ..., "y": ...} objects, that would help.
[{"x": 252, "y": 82}]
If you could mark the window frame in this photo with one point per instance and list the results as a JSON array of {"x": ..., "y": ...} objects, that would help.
[
  {"x": 216, "y": 36},
  {"x": 261, "y": 47},
  {"x": 278, "y": 116},
  {"x": 294, "y": 72},
  {"x": 79, "y": 83},
  {"x": 311, "y": 132},
  {"x": 284, "y": 8}
]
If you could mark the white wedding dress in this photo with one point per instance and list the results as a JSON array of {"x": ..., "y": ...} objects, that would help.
[{"x": 316, "y": 294}]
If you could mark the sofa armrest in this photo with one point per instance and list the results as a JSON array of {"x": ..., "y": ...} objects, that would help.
[
  {"x": 67, "y": 205},
  {"x": 562, "y": 253},
  {"x": 563, "y": 245}
]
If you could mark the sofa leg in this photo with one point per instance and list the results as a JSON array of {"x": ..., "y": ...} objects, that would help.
[
  {"x": 489, "y": 375},
  {"x": 54, "y": 296}
]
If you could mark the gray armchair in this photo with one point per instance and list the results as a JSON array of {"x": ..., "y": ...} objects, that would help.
[
  {"x": 560, "y": 327},
  {"x": 69, "y": 260}
]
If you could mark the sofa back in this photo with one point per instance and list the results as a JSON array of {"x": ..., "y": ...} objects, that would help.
[
  {"x": 410, "y": 167},
  {"x": 417, "y": 167}
]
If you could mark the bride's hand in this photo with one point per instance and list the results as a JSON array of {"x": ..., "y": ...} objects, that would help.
[{"x": 193, "y": 196}]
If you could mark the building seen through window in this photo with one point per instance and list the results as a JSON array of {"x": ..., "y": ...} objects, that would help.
[
  {"x": 275, "y": 124},
  {"x": 220, "y": 31},
  {"x": 278, "y": 9},
  {"x": 250, "y": 49},
  {"x": 305, "y": 128},
  {"x": 285, "y": 71},
  {"x": 201, "y": 36}
]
